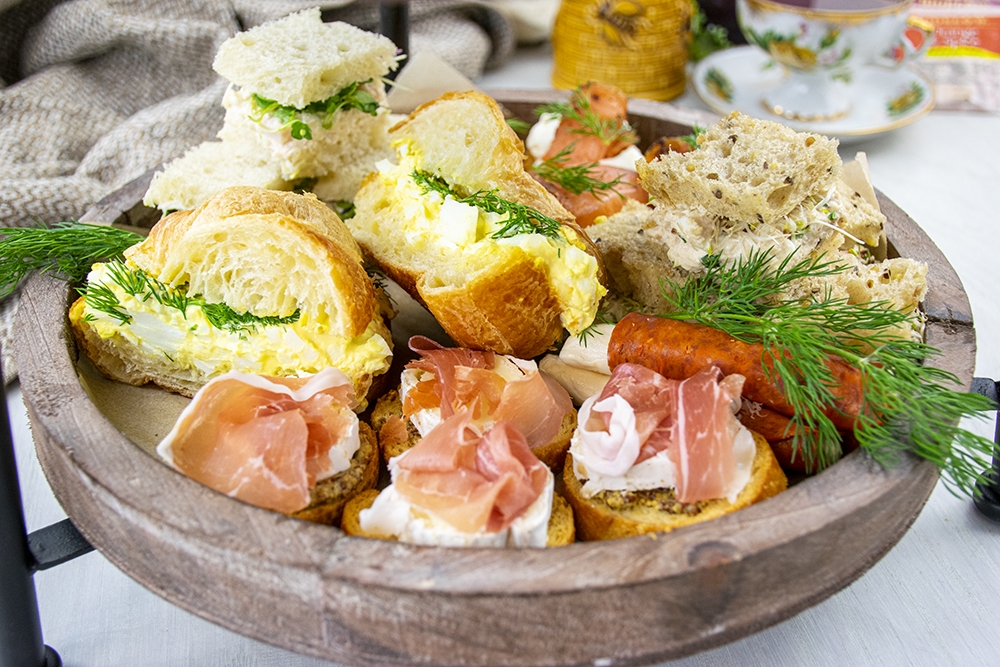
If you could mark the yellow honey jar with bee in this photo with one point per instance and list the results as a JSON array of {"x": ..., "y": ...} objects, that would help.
[{"x": 638, "y": 45}]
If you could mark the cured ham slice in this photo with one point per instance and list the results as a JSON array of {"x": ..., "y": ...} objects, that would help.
[
  {"x": 475, "y": 481},
  {"x": 266, "y": 440},
  {"x": 641, "y": 414},
  {"x": 457, "y": 378}
]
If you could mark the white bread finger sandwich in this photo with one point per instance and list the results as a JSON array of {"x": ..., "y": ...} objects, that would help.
[
  {"x": 460, "y": 225},
  {"x": 293, "y": 445},
  {"x": 305, "y": 110},
  {"x": 652, "y": 454},
  {"x": 254, "y": 280}
]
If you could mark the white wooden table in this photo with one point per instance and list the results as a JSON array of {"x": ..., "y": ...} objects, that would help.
[{"x": 933, "y": 600}]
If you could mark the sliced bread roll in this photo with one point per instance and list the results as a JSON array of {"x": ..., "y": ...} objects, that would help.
[
  {"x": 561, "y": 526},
  {"x": 745, "y": 169},
  {"x": 300, "y": 59},
  {"x": 615, "y": 514},
  {"x": 329, "y": 497},
  {"x": 508, "y": 292},
  {"x": 254, "y": 280},
  {"x": 392, "y": 441}
]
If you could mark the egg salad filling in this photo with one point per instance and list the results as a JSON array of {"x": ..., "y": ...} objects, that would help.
[
  {"x": 460, "y": 229},
  {"x": 123, "y": 301}
]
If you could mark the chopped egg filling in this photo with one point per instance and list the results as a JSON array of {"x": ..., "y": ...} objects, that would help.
[
  {"x": 188, "y": 340},
  {"x": 460, "y": 234}
]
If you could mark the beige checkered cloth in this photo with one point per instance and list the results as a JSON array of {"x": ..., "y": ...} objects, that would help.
[{"x": 99, "y": 91}]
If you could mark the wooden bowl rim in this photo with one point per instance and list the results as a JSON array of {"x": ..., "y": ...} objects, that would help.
[{"x": 75, "y": 430}]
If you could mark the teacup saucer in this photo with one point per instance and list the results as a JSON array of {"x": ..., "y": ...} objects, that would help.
[{"x": 738, "y": 79}]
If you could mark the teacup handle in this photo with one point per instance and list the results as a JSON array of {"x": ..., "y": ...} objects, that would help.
[{"x": 917, "y": 37}]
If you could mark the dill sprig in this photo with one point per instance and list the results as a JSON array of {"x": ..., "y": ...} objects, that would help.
[
  {"x": 67, "y": 249},
  {"x": 608, "y": 130},
  {"x": 349, "y": 97},
  {"x": 692, "y": 139},
  {"x": 908, "y": 405},
  {"x": 521, "y": 219},
  {"x": 587, "y": 334},
  {"x": 137, "y": 283},
  {"x": 575, "y": 178}
]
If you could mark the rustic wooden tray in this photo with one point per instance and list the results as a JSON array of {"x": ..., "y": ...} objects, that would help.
[{"x": 311, "y": 589}]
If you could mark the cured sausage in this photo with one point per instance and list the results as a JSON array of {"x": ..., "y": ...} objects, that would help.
[{"x": 678, "y": 350}]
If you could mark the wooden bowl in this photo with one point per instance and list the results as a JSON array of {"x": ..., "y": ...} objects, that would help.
[{"x": 311, "y": 589}]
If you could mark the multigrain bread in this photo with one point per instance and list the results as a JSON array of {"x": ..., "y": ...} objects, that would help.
[
  {"x": 390, "y": 407},
  {"x": 615, "y": 514},
  {"x": 648, "y": 249},
  {"x": 329, "y": 497},
  {"x": 745, "y": 169},
  {"x": 283, "y": 262},
  {"x": 512, "y": 294},
  {"x": 562, "y": 530}
]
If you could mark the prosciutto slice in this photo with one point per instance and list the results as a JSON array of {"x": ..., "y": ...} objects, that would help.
[
  {"x": 459, "y": 378},
  {"x": 266, "y": 440},
  {"x": 640, "y": 413},
  {"x": 476, "y": 481}
]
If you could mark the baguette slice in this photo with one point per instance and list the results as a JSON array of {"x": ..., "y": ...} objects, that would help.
[
  {"x": 561, "y": 526},
  {"x": 389, "y": 406},
  {"x": 504, "y": 295},
  {"x": 329, "y": 497},
  {"x": 745, "y": 169},
  {"x": 190, "y": 180},
  {"x": 266, "y": 253},
  {"x": 596, "y": 519},
  {"x": 299, "y": 59}
]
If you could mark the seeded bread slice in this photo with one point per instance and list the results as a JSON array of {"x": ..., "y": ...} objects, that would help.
[{"x": 745, "y": 169}]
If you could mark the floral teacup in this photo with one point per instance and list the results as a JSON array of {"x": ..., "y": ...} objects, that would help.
[{"x": 822, "y": 44}]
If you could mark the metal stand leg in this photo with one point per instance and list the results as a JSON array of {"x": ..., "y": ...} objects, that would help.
[
  {"x": 394, "y": 23},
  {"x": 20, "y": 627},
  {"x": 987, "y": 497}
]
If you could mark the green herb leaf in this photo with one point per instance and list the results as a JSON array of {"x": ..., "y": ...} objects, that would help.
[
  {"x": 349, "y": 97},
  {"x": 137, "y": 283},
  {"x": 67, "y": 249},
  {"x": 576, "y": 179},
  {"x": 706, "y": 38},
  {"x": 521, "y": 219},
  {"x": 608, "y": 130},
  {"x": 518, "y": 125},
  {"x": 908, "y": 406}
]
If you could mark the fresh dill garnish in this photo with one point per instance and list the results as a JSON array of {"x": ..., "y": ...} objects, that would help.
[
  {"x": 907, "y": 406},
  {"x": 67, "y": 249},
  {"x": 692, "y": 139},
  {"x": 221, "y": 316},
  {"x": 518, "y": 125},
  {"x": 138, "y": 284},
  {"x": 601, "y": 317},
  {"x": 576, "y": 178},
  {"x": 608, "y": 130},
  {"x": 349, "y": 97},
  {"x": 344, "y": 208},
  {"x": 521, "y": 219},
  {"x": 99, "y": 296}
]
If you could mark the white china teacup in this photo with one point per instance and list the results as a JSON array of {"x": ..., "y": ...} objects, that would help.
[{"x": 822, "y": 44}]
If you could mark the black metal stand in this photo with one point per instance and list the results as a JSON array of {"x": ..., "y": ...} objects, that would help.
[
  {"x": 21, "y": 555},
  {"x": 987, "y": 497},
  {"x": 394, "y": 23}
]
